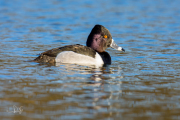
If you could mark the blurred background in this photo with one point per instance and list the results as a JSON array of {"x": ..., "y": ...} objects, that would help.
[{"x": 142, "y": 83}]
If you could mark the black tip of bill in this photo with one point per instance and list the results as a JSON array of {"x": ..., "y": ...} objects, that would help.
[{"x": 123, "y": 49}]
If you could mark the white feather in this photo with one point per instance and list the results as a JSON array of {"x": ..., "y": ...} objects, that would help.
[{"x": 76, "y": 58}]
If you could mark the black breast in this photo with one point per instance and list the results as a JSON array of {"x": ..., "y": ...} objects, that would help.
[{"x": 106, "y": 57}]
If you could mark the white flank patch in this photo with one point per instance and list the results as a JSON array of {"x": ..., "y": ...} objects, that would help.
[{"x": 76, "y": 58}]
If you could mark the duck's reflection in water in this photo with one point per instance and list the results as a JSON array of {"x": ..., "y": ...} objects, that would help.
[
  {"x": 105, "y": 86},
  {"x": 99, "y": 87},
  {"x": 92, "y": 88}
]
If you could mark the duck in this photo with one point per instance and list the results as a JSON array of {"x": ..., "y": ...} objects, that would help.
[{"x": 93, "y": 53}]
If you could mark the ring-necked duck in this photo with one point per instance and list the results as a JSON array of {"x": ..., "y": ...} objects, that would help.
[{"x": 92, "y": 54}]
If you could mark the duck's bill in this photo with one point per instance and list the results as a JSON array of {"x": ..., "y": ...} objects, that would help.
[{"x": 115, "y": 46}]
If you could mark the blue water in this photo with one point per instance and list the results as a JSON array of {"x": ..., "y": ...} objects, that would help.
[{"x": 142, "y": 83}]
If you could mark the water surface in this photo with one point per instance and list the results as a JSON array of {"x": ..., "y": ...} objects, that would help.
[{"x": 142, "y": 83}]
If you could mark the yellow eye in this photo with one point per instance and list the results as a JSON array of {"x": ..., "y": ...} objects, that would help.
[{"x": 105, "y": 36}]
